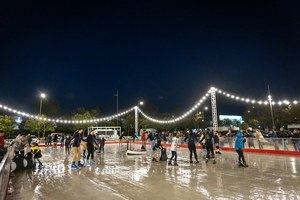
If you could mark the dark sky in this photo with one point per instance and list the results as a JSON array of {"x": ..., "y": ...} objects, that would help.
[{"x": 163, "y": 52}]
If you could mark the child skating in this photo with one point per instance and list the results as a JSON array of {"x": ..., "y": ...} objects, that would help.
[{"x": 174, "y": 146}]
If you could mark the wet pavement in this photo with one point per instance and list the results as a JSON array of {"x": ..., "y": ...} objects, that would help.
[{"x": 117, "y": 176}]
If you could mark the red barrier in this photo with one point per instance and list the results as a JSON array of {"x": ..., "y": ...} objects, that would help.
[
  {"x": 260, "y": 151},
  {"x": 266, "y": 151}
]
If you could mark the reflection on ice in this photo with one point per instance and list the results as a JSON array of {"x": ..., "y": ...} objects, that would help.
[{"x": 117, "y": 176}]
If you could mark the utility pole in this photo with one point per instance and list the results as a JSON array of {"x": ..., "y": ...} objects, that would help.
[{"x": 271, "y": 107}]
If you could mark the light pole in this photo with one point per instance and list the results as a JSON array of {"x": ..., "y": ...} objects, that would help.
[
  {"x": 42, "y": 96},
  {"x": 117, "y": 95},
  {"x": 141, "y": 103},
  {"x": 205, "y": 109}
]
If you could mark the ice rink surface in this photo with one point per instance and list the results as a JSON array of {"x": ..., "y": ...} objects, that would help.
[{"x": 117, "y": 176}]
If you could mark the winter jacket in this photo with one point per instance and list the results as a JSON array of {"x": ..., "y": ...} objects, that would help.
[
  {"x": 77, "y": 139},
  {"x": 239, "y": 144},
  {"x": 191, "y": 138}
]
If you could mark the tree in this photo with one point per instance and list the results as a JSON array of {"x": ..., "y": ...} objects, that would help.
[
  {"x": 38, "y": 126},
  {"x": 283, "y": 115},
  {"x": 244, "y": 126},
  {"x": 82, "y": 114},
  {"x": 6, "y": 124}
]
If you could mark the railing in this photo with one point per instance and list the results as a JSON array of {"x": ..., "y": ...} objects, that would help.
[
  {"x": 285, "y": 144},
  {"x": 5, "y": 172}
]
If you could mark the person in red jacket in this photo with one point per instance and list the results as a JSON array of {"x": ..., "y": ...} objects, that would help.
[{"x": 143, "y": 138}]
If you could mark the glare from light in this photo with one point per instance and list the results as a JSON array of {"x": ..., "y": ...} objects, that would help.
[{"x": 43, "y": 95}]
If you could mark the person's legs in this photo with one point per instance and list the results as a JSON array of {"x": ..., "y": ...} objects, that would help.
[
  {"x": 212, "y": 154},
  {"x": 207, "y": 151},
  {"x": 40, "y": 163},
  {"x": 175, "y": 158},
  {"x": 173, "y": 155},
  {"x": 191, "y": 153},
  {"x": 74, "y": 154},
  {"x": 195, "y": 153},
  {"x": 78, "y": 154},
  {"x": 242, "y": 161},
  {"x": 92, "y": 153},
  {"x": 239, "y": 154},
  {"x": 88, "y": 155}
]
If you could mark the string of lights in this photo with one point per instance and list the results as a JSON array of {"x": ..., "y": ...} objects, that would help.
[
  {"x": 63, "y": 121},
  {"x": 174, "y": 120},
  {"x": 226, "y": 94},
  {"x": 168, "y": 121},
  {"x": 254, "y": 101}
]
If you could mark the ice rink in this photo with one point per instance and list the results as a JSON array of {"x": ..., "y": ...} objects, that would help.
[{"x": 117, "y": 176}]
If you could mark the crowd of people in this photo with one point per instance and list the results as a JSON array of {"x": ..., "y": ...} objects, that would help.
[
  {"x": 208, "y": 140},
  {"x": 211, "y": 142}
]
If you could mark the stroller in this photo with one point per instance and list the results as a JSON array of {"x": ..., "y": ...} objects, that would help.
[{"x": 21, "y": 162}]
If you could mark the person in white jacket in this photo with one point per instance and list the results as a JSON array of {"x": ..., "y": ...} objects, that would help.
[
  {"x": 174, "y": 146},
  {"x": 260, "y": 138}
]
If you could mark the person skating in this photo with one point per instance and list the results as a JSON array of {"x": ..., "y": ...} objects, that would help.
[
  {"x": 62, "y": 141},
  {"x": 217, "y": 143},
  {"x": 76, "y": 149},
  {"x": 143, "y": 138},
  {"x": 90, "y": 142},
  {"x": 239, "y": 146},
  {"x": 191, "y": 137},
  {"x": 102, "y": 144},
  {"x": 55, "y": 140},
  {"x": 174, "y": 146},
  {"x": 68, "y": 144},
  {"x": 208, "y": 136},
  {"x": 37, "y": 153},
  {"x": 49, "y": 140},
  {"x": 151, "y": 138}
]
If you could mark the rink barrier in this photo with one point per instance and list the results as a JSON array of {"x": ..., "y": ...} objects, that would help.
[
  {"x": 251, "y": 150},
  {"x": 5, "y": 172}
]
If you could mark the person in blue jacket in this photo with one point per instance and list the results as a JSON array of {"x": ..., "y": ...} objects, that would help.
[{"x": 239, "y": 146}]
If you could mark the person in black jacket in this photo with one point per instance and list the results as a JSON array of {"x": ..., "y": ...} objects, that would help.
[
  {"x": 67, "y": 144},
  {"x": 76, "y": 148},
  {"x": 217, "y": 143},
  {"x": 191, "y": 137},
  {"x": 209, "y": 144},
  {"x": 90, "y": 141},
  {"x": 55, "y": 140}
]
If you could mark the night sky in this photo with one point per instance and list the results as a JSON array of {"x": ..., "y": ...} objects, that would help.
[{"x": 163, "y": 52}]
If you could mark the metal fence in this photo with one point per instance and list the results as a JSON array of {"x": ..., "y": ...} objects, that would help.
[
  {"x": 5, "y": 172},
  {"x": 286, "y": 144}
]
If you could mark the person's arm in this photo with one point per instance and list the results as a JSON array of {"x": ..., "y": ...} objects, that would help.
[
  {"x": 203, "y": 136},
  {"x": 186, "y": 137},
  {"x": 95, "y": 141},
  {"x": 85, "y": 140}
]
